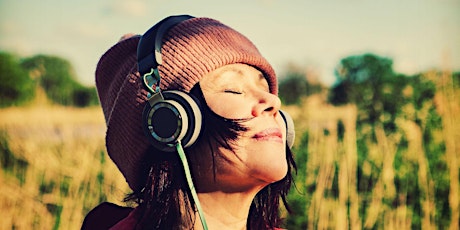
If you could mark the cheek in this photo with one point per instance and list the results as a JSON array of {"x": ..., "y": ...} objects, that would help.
[
  {"x": 227, "y": 106},
  {"x": 265, "y": 161},
  {"x": 230, "y": 109}
]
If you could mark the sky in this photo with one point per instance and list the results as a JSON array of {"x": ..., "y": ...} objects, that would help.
[{"x": 417, "y": 35}]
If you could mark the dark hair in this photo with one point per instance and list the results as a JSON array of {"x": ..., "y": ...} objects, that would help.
[{"x": 166, "y": 196}]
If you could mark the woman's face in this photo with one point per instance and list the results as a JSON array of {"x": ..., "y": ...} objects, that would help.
[{"x": 239, "y": 91}]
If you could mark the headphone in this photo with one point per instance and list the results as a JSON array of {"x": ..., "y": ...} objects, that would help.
[{"x": 173, "y": 116}]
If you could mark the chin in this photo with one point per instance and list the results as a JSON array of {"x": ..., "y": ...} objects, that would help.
[
  {"x": 275, "y": 172},
  {"x": 282, "y": 173}
]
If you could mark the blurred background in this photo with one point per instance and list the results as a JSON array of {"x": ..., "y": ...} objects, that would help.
[{"x": 373, "y": 86}]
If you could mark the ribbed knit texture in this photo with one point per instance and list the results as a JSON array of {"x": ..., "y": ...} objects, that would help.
[{"x": 190, "y": 50}]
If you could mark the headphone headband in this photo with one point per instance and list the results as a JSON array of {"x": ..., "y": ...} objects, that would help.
[{"x": 149, "y": 48}]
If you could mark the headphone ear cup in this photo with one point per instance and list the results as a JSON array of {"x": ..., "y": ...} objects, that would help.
[
  {"x": 290, "y": 129},
  {"x": 176, "y": 117}
]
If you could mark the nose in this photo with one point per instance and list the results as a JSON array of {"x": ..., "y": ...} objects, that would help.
[{"x": 268, "y": 104}]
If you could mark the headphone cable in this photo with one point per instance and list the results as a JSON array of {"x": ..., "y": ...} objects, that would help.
[{"x": 188, "y": 176}]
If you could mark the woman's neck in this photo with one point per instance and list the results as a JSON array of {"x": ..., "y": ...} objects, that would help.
[{"x": 225, "y": 210}]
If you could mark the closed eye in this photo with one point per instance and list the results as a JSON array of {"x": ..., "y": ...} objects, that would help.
[{"x": 232, "y": 91}]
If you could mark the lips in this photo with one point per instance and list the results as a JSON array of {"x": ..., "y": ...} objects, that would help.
[{"x": 271, "y": 134}]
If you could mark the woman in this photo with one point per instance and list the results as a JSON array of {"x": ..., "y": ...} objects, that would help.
[{"x": 237, "y": 153}]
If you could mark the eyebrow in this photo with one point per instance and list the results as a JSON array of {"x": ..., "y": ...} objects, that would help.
[
  {"x": 241, "y": 73},
  {"x": 232, "y": 69},
  {"x": 221, "y": 74},
  {"x": 261, "y": 81}
]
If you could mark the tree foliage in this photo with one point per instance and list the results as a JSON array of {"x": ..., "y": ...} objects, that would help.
[
  {"x": 362, "y": 80},
  {"x": 292, "y": 88},
  {"x": 58, "y": 79},
  {"x": 383, "y": 99},
  {"x": 19, "y": 79},
  {"x": 294, "y": 85},
  {"x": 16, "y": 87}
]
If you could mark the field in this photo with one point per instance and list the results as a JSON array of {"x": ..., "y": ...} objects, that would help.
[
  {"x": 405, "y": 179},
  {"x": 55, "y": 168}
]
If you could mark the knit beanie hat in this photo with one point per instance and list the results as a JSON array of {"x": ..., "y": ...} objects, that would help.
[{"x": 190, "y": 50}]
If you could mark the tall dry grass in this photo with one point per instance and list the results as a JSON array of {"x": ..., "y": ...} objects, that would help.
[
  {"x": 448, "y": 105},
  {"x": 64, "y": 171},
  {"x": 336, "y": 201},
  {"x": 55, "y": 168}
]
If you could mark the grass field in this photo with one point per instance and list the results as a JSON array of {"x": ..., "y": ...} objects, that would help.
[
  {"x": 55, "y": 168},
  {"x": 409, "y": 178}
]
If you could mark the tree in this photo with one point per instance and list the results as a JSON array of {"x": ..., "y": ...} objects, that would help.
[
  {"x": 294, "y": 85},
  {"x": 360, "y": 80},
  {"x": 57, "y": 77},
  {"x": 16, "y": 86},
  {"x": 292, "y": 88}
]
